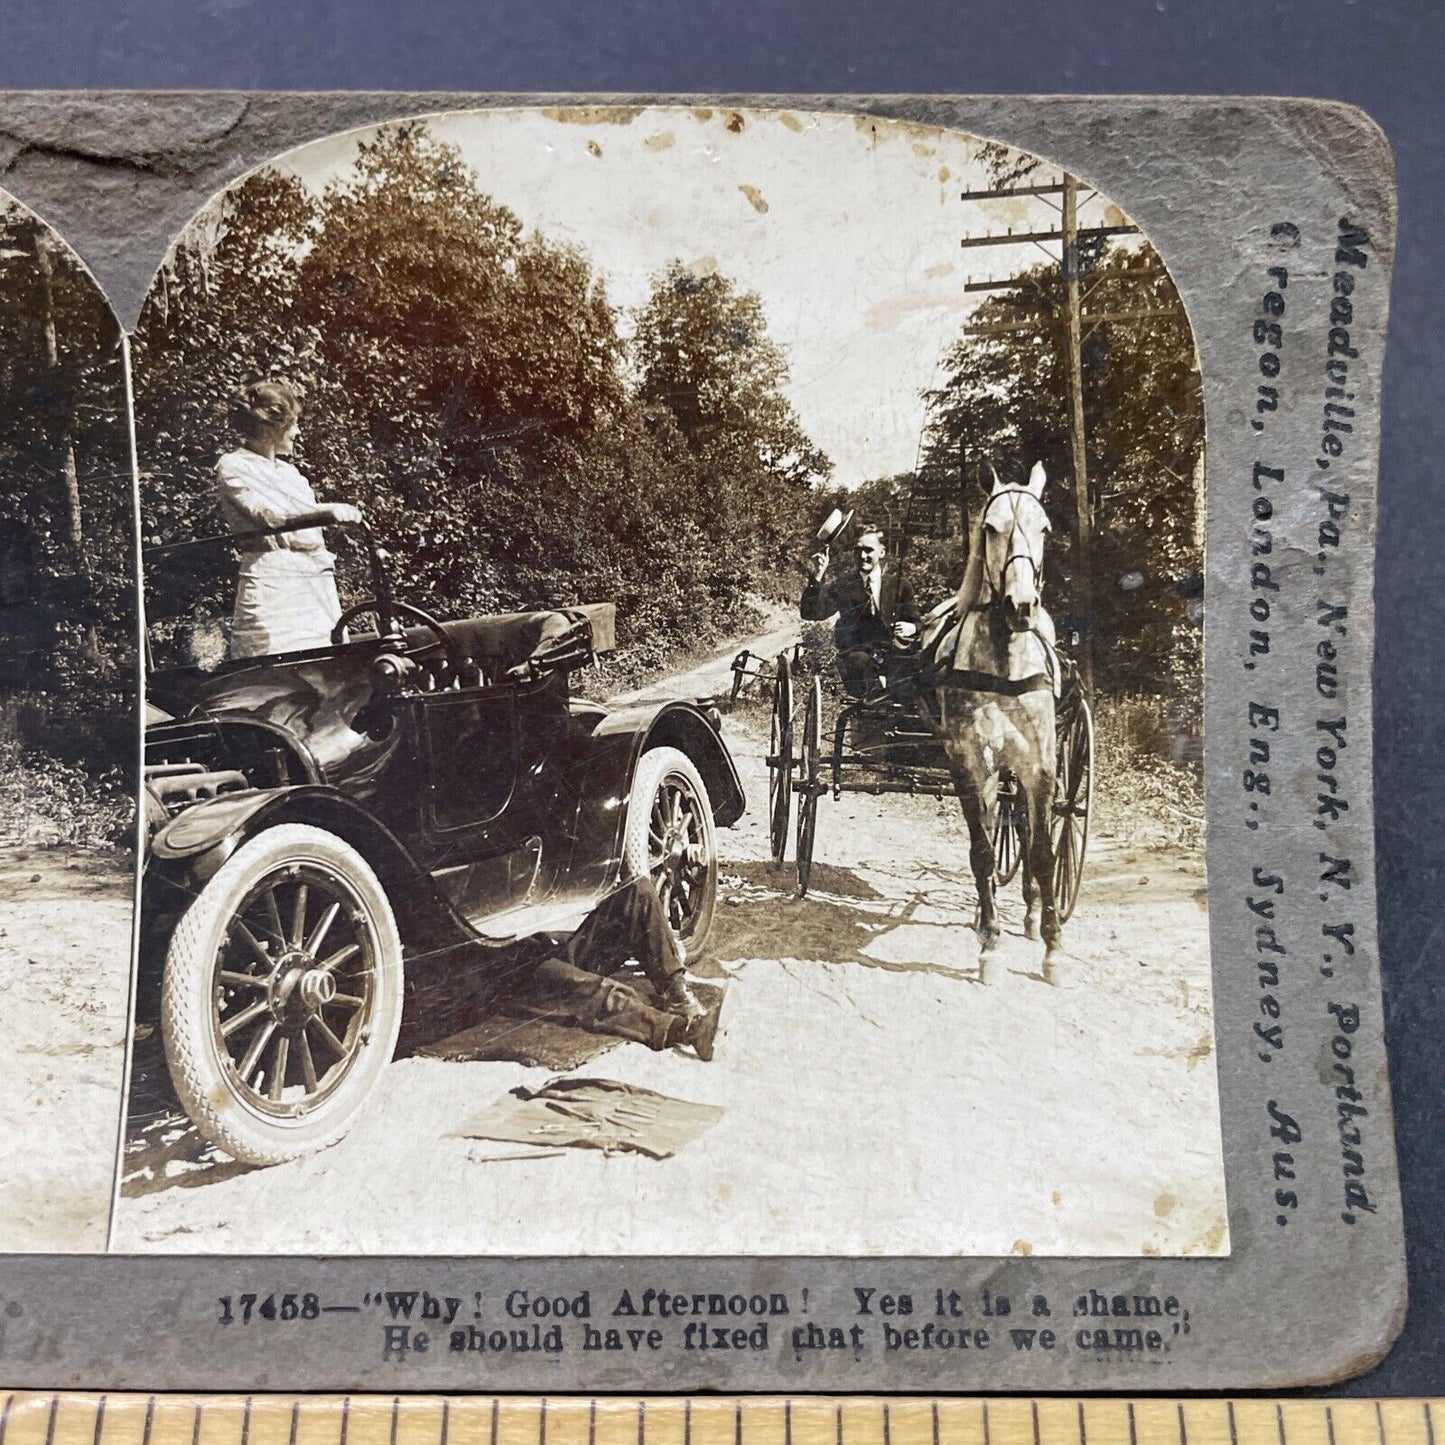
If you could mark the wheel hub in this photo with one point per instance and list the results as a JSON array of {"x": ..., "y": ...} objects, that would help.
[{"x": 298, "y": 989}]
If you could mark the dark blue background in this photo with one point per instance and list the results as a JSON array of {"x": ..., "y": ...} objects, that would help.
[{"x": 1385, "y": 57}]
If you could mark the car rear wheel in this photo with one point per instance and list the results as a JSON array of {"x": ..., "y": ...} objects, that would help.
[
  {"x": 282, "y": 995},
  {"x": 670, "y": 837}
]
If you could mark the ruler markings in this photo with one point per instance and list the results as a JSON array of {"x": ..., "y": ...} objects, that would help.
[{"x": 67, "y": 1418}]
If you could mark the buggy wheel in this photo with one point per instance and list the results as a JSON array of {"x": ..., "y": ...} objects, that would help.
[
  {"x": 670, "y": 839},
  {"x": 810, "y": 785},
  {"x": 1008, "y": 831},
  {"x": 282, "y": 995},
  {"x": 780, "y": 760},
  {"x": 1073, "y": 798}
]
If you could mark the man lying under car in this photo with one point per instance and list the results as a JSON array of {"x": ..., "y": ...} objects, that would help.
[{"x": 571, "y": 979}]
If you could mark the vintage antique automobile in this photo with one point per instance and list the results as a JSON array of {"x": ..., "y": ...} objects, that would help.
[{"x": 422, "y": 790}]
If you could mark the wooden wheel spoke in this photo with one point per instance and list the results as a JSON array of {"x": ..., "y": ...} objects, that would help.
[
  {"x": 248, "y": 1064},
  {"x": 308, "y": 1064},
  {"x": 323, "y": 927},
  {"x": 274, "y": 927},
  {"x": 298, "y": 915},
  {"x": 240, "y": 1020},
  {"x": 242, "y": 980},
  {"x": 342, "y": 955},
  {"x": 332, "y": 1042},
  {"x": 254, "y": 944},
  {"x": 347, "y": 1001},
  {"x": 278, "y": 1069}
]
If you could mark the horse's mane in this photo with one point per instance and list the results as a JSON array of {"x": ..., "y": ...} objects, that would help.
[{"x": 970, "y": 589}]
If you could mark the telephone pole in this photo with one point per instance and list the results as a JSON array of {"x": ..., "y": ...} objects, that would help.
[
  {"x": 1068, "y": 236},
  {"x": 1078, "y": 453}
]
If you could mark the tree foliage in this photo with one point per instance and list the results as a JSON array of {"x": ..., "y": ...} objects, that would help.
[
  {"x": 67, "y": 655},
  {"x": 1002, "y": 406},
  {"x": 468, "y": 385}
]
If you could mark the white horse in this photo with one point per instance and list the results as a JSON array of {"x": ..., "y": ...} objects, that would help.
[{"x": 994, "y": 686}]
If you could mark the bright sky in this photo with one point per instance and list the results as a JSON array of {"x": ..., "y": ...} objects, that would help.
[{"x": 847, "y": 227}]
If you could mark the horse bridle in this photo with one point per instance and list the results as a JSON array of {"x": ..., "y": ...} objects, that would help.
[{"x": 1014, "y": 494}]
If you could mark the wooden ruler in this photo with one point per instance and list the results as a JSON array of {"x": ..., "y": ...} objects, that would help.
[{"x": 91, "y": 1419}]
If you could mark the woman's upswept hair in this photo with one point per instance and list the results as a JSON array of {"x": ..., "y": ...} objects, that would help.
[{"x": 260, "y": 407}]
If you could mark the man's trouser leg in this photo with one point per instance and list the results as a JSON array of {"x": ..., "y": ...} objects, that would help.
[
  {"x": 631, "y": 924},
  {"x": 858, "y": 671},
  {"x": 564, "y": 993}
]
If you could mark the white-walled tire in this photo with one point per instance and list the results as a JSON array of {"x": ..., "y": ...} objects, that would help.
[
  {"x": 282, "y": 995},
  {"x": 670, "y": 837}
]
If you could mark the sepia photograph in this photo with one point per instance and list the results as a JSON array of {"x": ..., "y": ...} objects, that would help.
[
  {"x": 674, "y": 703},
  {"x": 68, "y": 731}
]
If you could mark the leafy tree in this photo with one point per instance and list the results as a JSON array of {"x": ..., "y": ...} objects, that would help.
[
  {"x": 706, "y": 362},
  {"x": 467, "y": 386},
  {"x": 1003, "y": 406},
  {"x": 66, "y": 533}
]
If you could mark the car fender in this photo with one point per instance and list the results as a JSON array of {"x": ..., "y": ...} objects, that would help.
[
  {"x": 193, "y": 844},
  {"x": 685, "y": 727}
]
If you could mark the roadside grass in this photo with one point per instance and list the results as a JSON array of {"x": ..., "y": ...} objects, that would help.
[
  {"x": 1148, "y": 775},
  {"x": 45, "y": 802}
]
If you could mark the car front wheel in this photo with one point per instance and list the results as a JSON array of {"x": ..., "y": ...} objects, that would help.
[
  {"x": 670, "y": 837},
  {"x": 282, "y": 995}
]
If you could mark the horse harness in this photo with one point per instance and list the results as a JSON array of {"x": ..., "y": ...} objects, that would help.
[{"x": 969, "y": 680}]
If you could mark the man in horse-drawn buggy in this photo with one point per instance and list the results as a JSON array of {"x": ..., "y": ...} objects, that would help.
[{"x": 878, "y": 617}]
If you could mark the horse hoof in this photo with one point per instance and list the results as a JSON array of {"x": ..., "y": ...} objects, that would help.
[{"x": 1031, "y": 926}]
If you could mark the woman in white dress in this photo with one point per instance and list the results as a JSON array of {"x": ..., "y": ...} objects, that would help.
[{"x": 286, "y": 594}]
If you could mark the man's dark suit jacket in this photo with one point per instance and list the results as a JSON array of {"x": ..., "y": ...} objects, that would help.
[{"x": 858, "y": 624}]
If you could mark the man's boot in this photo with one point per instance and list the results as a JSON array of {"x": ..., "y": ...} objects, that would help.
[
  {"x": 678, "y": 998},
  {"x": 701, "y": 1032}
]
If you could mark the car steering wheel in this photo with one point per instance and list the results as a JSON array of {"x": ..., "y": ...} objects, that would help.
[{"x": 402, "y": 609}]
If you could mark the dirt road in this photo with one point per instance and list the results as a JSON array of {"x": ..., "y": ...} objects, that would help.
[
  {"x": 881, "y": 1093},
  {"x": 64, "y": 972}
]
